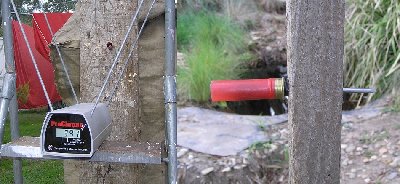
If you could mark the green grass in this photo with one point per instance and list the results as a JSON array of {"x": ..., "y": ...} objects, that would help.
[
  {"x": 213, "y": 5},
  {"x": 207, "y": 27},
  {"x": 214, "y": 46},
  {"x": 372, "y": 50},
  {"x": 260, "y": 146},
  {"x": 34, "y": 171},
  {"x": 396, "y": 103}
]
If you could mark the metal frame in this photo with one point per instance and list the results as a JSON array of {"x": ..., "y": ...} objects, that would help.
[
  {"x": 170, "y": 89},
  {"x": 108, "y": 152},
  {"x": 9, "y": 97}
]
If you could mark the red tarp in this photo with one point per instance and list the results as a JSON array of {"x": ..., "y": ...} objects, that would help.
[
  {"x": 29, "y": 91},
  {"x": 42, "y": 34}
]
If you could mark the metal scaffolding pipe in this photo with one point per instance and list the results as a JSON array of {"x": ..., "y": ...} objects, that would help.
[
  {"x": 7, "y": 36},
  {"x": 6, "y": 95},
  {"x": 14, "y": 126},
  {"x": 9, "y": 97},
  {"x": 170, "y": 90}
]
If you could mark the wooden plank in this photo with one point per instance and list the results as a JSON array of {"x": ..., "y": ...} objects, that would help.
[{"x": 315, "y": 56}]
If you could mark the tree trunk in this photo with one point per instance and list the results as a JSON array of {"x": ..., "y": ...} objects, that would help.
[
  {"x": 151, "y": 98},
  {"x": 315, "y": 56},
  {"x": 103, "y": 22}
]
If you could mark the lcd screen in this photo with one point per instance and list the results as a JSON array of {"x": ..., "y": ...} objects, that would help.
[{"x": 68, "y": 133}]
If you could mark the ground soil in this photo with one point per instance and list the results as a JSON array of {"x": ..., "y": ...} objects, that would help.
[
  {"x": 370, "y": 150},
  {"x": 370, "y": 154}
]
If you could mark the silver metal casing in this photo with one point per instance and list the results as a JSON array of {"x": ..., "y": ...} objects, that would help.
[{"x": 99, "y": 124}]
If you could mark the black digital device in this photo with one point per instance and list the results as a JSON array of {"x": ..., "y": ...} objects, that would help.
[
  {"x": 67, "y": 133},
  {"x": 75, "y": 131}
]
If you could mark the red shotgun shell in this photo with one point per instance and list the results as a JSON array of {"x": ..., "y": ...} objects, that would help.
[{"x": 252, "y": 89}]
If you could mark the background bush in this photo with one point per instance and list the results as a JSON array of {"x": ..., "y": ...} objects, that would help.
[
  {"x": 372, "y": 46},
  {"x": 213, "y": 45}
]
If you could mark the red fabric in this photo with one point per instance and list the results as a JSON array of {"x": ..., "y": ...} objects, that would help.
[
  {"x": 26, "y": 73},
  {"x": 41, "y": 31}
]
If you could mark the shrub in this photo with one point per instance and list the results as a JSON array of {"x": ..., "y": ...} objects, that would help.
[
  {"x": 214, "y": 46},
  {"x": 23, "y": 93},
  {"x": 193, "y": 28},
  {"x": 372, "y": 50}
]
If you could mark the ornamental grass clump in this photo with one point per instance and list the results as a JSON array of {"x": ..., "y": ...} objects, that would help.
[
  {"x": 372, "y": 47},
  {"x": 213, "y": 46}
]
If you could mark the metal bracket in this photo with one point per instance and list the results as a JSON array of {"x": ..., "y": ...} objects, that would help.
[
  {"x": 169, "y": 87},
  {"x": 8, "y": 86}
]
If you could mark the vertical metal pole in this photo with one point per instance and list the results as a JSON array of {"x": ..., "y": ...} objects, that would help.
[
  {"x": 9, "y": 97},
  {"x": 6, "y": 96},
  {"x": 170, "y": 89},
  {"x": 8, "y": 36},
  {"x": 17, "y": 162}
]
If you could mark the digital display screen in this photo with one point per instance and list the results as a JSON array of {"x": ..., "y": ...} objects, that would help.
[{"x": 68, "y": 133}]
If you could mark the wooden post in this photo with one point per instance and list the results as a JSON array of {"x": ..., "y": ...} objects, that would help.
[{"x": 315, "y": 57}]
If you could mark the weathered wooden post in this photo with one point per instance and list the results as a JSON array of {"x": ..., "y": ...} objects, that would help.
[{"x": 315, "y": 57}]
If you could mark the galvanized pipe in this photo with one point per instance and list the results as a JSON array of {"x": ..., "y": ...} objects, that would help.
[
  {"x": 3, "y": 115},
  {"x": 14, "y": 126},
  {"x": 8, "y": 36},
  {"x": 170, "y": 90},
  {"x": 6, "y": 95},
  {"x": 10, "y": 102},
  {"x": 17, "y": 170}
]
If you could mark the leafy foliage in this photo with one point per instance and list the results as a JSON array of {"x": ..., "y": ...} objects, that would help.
[
  {"x": 26, "y": 7},
  {"x": 59, "y": 6},
  {"x": 23, "y": 93},
  {"x": 29, "y": 6}
]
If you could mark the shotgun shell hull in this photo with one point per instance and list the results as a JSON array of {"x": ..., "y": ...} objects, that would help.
[{"x": 252, "y": 89}]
